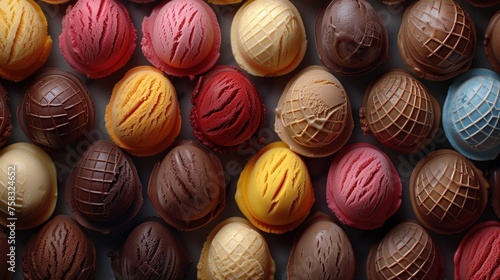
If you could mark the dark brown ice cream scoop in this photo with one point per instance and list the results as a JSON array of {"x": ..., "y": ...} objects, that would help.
[{"x": 5, "y": 117}]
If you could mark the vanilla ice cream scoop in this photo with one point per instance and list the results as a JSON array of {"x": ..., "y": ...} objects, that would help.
[
  {"x": 274, "y": 190},
  {"x": 25, "y": 44},
  {"x": 28, "y": 178},
  {"x": 268, "y": 37},
  {"x": 313, "y": 115},
  {"x": 234, "y": 249},
  {"x": 143, "y": 115}
]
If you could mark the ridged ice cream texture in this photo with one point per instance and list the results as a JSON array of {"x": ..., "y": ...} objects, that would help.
[
  {"x": 60, "y": 250},
  {"x": 143, "y": 115},
  {"x": 25, "y": 44},
  {"x": 274, "y": 191},
  {"x": 313, "y": 115},
  {"x": 268, "y": 37},
  {"x": 98, "y": 37},
  {"x": 363, "y": 187},
  {"x": 35, "y": 185},
  {"x": 234, "y": 249},
  {"x": 447, "y": 192},
  {"x": 182, "y": 37},
  {"x": 478, "y": 254}
]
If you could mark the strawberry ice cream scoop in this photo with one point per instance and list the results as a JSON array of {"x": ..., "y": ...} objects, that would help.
[
  {"x": 363, "y": 187},
  {"x": 98, "y": 37},
  {"x": 182, "y": 37},
  {"x": 478, "y": 255}
]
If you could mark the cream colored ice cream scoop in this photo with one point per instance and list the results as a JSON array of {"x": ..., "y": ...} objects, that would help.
[{"x": 234, "y": 249}]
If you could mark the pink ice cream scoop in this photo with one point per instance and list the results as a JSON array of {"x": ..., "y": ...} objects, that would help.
[
  {"x": 182, "y": 37},
  {"x": 478, "y": 255},
  {"x": 363, "y": 187},
  {"x": 98, "y": 37}
]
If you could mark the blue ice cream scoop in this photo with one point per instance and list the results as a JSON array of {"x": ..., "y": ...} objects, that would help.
[{"x": 471, "y": 114}]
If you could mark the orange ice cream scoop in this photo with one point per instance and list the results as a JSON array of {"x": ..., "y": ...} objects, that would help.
[
  {"x": 25, "y": 44},
  {"x": 143, "y": 115},
  {"x": 274, "y": 190}
]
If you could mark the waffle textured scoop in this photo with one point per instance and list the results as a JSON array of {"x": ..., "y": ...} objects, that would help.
[
  {"x": 407, "y": 251},
  {"x": 447, "y": 192},
  {"x": 182, "y": 37},
  {"x": 143, "y": 115},
  {"x": 268, "y": 37},
  {"x": 437, "y": 39},
  {"x": 56, "y": 109},
  {"x": 321, "y": 250},
  {"x": 313, "y": 115},
  {"x": 187, "y": 187},
  {"x": 25, "y": 44},
  {"x": 103, "y": 190},
  {"x": 98, "y": 37},
  {"x": 351, "y": 37},
  {"x": 35, "y": 183},
  {"x": 478, "y": 254},
  {"x": 60, "y": 250},
  {"x": 492, "y": 41},
  {"x": 400, "y": 112},
  {"x": 234, "y": 249},
  {"x": 227, "y": 111},
  {"x": 274, "y": 190},
  {"x": 471, "y": 114},
  {"x": 363, "y": 187}
]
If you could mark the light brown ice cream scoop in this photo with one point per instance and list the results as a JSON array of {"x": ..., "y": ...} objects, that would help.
[
  {"x": 321, "y": 250},
  {"x": 400, "y": 112},
  {"x": 448, "y": 193}
]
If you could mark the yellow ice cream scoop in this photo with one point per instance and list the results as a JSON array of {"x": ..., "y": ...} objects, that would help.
[
  {"x": 234, "y": 249},
  {"x": 143, "y": 115},
  {"x": 274, "y": 190},
  {"x": 25, "y": 44}
]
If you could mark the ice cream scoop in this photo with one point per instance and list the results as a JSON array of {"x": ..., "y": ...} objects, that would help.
[
  {"x": 351, "y": 37},
  {"x": 363, "y": 187},
  {"x": 407, "y": 251},
  {"x": 437, "y": 39},
  {"x": 5, "y": 272},
  {"x": 98, "y": 37},
  {"x": 182, "y": 37},
  {"x": 274, "y": 191},
  {"x": 143, "y": 115},
  {"x": 483, "y": 3},
  {"x": 28, "y": 185},
  {"x": 313, "y": 115},
  {"x": 150, "y": 251},
  {"x": 234, "y": 249},
  {"x": 471, "y": 114},
  {"x": 227, "y": 109},
  {"x": 494, "y": 180},
  {"x": 400, "y": 112},
  {"x": 447, "y": 192},
  {"x": 492, "y": 41},
  {"x": 268, "y": 37},
  {"x": 321, "y": 250},
  {"x": 103, "y": 190},
  {"x": 187, "y": 187},
  {"x": 60, "y": 250},
  {"x": 56, "y": 109},
  {"x": 478, "y": 254},
  {"x": 25, "y": 44},
  {"x": 5, "y": 117}
]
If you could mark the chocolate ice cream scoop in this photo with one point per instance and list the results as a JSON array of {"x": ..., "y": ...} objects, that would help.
[
  {"x": 400, "y": 112},
  {"x": 437, "y": 39},
  {"x": 150, "y": 251},
  {"x": 5, "y": 117},
  {"x": 351, "y": 38},
  {"x": 60, "y": 250},
  {"x": 56, "y": 109},
  {"x": 103, "y": 190},
  {"x": 448, "y": 193},
  {"x": 492, "y": 41},
  {"x": 321, "y": 250},
  {"x": 188, "y": 187},
  {"x": 407, "y": 251}
]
